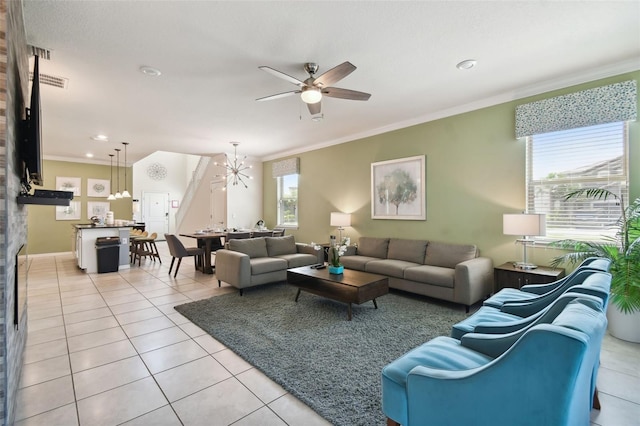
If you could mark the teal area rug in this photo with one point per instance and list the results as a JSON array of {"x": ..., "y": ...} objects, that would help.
[{"x": 311, "y": 350}]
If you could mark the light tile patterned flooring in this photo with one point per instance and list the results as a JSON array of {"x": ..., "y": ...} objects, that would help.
[{"x": 109, "y": 349}]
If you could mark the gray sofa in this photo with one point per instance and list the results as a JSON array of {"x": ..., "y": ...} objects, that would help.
[
  {"x": 256, "y": 261},
  {"x": 452, "y": 272}
]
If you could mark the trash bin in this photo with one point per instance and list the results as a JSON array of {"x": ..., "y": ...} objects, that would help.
[{"x": 108, "y": 252}]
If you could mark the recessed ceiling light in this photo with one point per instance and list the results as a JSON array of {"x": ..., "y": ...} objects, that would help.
[
  {"x": 89, "y": 155},
  {"x": 150, "y": 71},
  {"x": 100, "y": 138},
  {"x": 467, "y": 64}
]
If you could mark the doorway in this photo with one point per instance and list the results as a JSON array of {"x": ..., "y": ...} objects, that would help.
[{"x": 155, "y": 212}]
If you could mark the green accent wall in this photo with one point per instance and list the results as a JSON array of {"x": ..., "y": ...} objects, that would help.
[
  {"x": 48, "y": 235},
  {"x": 475, "y": 172}
]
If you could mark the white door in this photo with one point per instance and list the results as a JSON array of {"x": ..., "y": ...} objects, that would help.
[
  {"x": 218, "y": 200},
  {"x": 155, "y": 212}
]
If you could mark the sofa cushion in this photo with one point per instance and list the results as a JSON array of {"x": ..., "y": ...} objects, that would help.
[
  {"x": 373, "y": 247},
  {"x": 433, "y": 275},
  {"x": 449, "y": 255},
  {"x": 253, "y": 247},
  {"x": 296, "y": 260},
  {"x": 389, "y": 267},
  {"x": 281, "y": 245},
  {"x": 356, "y": 262},
  {"x": 264, "y": 265},
  {"x": 409, "y": 250}
]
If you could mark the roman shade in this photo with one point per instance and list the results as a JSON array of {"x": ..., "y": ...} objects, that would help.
[
  {"x": 290, "y": 166},
  {"x": 606, "y": 104}
]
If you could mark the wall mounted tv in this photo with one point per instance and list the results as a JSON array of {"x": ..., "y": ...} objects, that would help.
[{"x": 31, "y": 143}]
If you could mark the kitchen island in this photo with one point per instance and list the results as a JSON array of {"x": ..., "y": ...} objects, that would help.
[{"x": 85, "y": 237}]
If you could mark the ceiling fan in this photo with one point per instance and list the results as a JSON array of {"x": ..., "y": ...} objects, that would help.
[{"x": 313, "y": 88}]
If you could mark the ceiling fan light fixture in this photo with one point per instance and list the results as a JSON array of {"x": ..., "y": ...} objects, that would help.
[{"x": 311, "y": 95}]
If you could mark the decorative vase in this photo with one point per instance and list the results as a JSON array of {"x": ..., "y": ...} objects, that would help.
[
  {"x": 336, "y": 269},
  {"x": 623, "y": 326}
]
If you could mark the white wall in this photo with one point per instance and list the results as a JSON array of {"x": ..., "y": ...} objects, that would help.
[
  {"x": 179, "y": 169},
  {"x": 244, "y": 205}
]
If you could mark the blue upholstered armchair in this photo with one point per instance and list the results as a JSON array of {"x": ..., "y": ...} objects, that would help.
[
  {"x": 545, "y": 377},
  {"x": 541, "y": 293}
]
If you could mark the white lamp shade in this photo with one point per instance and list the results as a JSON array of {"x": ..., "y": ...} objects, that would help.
[
  {"x": 525, "y": 224},
  {"x": 340, "y": 219}
]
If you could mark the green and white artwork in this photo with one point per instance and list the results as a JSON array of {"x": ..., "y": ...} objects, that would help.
[{"x": 398, "y": 189}]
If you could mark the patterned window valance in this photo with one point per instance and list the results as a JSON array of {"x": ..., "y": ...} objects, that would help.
[
  {"x": 290, "y": 166},
  {"x": 606, "y": 104}
]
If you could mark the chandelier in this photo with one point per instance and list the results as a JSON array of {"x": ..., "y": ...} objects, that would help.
[{"x": 235, "y": 168}]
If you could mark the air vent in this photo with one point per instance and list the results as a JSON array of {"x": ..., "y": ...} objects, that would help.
[
  {"x": 51, "y": 80},
  {"x": 40, "y": 51}
]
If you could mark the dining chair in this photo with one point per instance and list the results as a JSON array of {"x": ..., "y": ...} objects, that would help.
[
  {"x": 278, "y": 232},
  {"x": 237, "y": 235},
  {"x": 178, "y": 251},
  {"x": 258, "y": 234}
]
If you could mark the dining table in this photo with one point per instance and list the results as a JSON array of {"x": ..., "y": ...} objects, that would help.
[{"x": 208, "y": 241}]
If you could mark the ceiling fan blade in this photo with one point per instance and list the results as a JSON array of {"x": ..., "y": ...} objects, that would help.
[
  {"x": 314, "y": 108},
  {"x": 335, "y": 74},
  {"x": 336, "y": 92},
  {"x": 278, "y": 96},
  {"x": 283, "y": 76}
]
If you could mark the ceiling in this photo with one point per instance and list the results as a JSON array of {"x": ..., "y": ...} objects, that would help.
[{"x": 209, "y": 53}]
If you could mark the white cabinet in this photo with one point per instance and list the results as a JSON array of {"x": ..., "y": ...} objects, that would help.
[{"x": 86, "y": 252}]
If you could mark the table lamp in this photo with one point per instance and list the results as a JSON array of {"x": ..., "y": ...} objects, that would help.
[
  {"x": 527, "y": 225},
  {"x": 340, "y": 220}
]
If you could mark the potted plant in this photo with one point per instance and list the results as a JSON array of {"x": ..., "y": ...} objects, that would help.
[
  {"x": 624, "y": 252},
  {"x": 335, "y": 267}
]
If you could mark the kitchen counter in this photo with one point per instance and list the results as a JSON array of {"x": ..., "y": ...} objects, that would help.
[{"x": 85, "y": 244}]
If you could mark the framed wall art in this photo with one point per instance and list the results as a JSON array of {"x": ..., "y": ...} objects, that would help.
[
  {"x": 97, "y": 208},
  {"x": 98, "y": 188},
  {"x": 69, "y": 184},
  {"x": 398, "y": 189},
  {"x": 70, "y": 212}
]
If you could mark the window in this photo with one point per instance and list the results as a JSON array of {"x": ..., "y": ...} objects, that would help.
[
  {"x": 564, "y": 161},
  {"x": 288, "y": 200}
]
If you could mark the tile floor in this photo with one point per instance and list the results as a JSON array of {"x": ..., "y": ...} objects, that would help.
[{"x": 109, "y": 349}]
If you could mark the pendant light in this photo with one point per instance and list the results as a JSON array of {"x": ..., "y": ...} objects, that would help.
[
  {"x": 111, "y": 196},
  {"x": 125, "y": 193},
  {"x": 118, "y": 194}
]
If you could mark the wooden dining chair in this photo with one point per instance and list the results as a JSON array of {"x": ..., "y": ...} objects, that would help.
[{"x": 178, "y": 251}]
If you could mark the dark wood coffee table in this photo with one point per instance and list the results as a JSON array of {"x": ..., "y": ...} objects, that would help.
[{"x": 350, "y": 287}]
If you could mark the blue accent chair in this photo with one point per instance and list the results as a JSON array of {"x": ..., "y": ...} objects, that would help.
[
  {"x": 543, "y": 377},
  {"x": 528, "y": 292},
  {"x": 517, "y": 314}
]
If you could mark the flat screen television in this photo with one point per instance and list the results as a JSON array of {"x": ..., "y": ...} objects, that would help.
[{"x": 31, "y": 146}]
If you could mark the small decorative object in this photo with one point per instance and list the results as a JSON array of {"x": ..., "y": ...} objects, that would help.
[
  {"x": 398, "y": 189},
  {"x": 156, "y": 171},
  {"x": 336, "y": 270},
  {"x": 335, "y": 267}
]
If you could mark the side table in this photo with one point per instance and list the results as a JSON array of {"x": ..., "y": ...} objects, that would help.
[{"x": 507, "y": 275}]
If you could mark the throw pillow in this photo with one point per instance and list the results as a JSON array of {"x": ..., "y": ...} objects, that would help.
[
  {"x": 277, "y": 246},
  {"x": 449, "y": 255},
  {"x": 373, "y": 247},
  {"x": 254, "y": 247}
]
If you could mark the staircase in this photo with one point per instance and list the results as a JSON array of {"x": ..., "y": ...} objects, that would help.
[{"x": 198, "y": 173}]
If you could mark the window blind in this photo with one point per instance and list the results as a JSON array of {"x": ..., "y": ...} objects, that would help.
[{"x": 564, "y": 161}]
